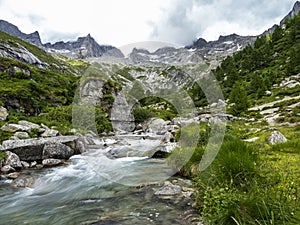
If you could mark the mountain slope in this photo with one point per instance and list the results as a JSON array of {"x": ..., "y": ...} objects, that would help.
[
  {"x": 31, "y": 79},
  {"x": 264, "y": 66}
]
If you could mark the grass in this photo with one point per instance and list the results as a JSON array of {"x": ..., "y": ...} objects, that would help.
[{"x": 249, "y": 183}]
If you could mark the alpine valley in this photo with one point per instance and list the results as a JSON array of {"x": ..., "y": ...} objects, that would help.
[{"x": 207, "y": 133}]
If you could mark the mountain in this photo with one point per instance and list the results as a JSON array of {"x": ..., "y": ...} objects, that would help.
[
  {"x": 9, "y": 28},
  {"x": 83, "y": 47},
  {"x": 292, "y": 13},
  {"x": 165, "y": 55},
  {"x": 222, "y": 47},
  {"x": 227, "y": 45}
]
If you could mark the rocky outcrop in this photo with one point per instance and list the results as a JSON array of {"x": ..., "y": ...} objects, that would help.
[
  {"x": 3, "y": 113},
  {"x": 20, "y": 53},
  {"x": 41, "y": 148},
  {"x": 276, "y": 138},
  {"x": 292, "y": 13},
  {"x": 121, "y": 114}
]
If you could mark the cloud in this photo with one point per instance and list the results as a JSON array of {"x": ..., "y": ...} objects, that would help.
[
  {"x": 119, "y": 22},
  {"x": 186, "y": 20}
]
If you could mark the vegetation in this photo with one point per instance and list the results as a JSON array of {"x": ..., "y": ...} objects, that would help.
[
  {"x": 258, "y": 67},
  {"x": 248, "y": 183}
]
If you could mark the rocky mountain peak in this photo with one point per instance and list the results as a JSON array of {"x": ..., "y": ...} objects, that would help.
[
  {"x": 293, "y": 12},
  {"x": 9, "y": 28}
]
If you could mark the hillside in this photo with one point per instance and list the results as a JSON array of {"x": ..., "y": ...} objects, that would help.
[{"x": 265, "y": 72}]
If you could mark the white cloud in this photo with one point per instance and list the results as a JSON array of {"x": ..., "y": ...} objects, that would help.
[{"x": 120, "y": 22}]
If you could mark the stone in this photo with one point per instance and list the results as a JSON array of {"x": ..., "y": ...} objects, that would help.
[
  {"x": 58, "y": 151},
  {"x": 121, "y": 114},
  {"x": 50, "y": 133},
  {"x": 155, "y": 125},
  {"x": 276, "y": 138},
  {"x": 13, "y": 160},
  {"x": 33, "y": 164},
  {"x": 169, "y": 189},
  {"x": 23, "y": 181},
  {"x": 25, "y": 164},
  {"x": 21, "y": 135},
  {"x": 7, "y": 169},
  {"x": 29, "y": 124},
  {"x": 32, "y": 149},
  {"x": 250, "y": 140},
  {"x": 3, "y": 113},
  {"x": 13, "y": 175},
  {"x": 51, "y": 162},
  {"x": 167, "y": 137},
  {"x": 14, "y": 128}
]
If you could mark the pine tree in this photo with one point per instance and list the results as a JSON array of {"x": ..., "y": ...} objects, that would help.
[{"x": 238, "y": 97}]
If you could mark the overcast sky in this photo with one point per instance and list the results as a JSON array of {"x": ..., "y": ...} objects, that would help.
[{"x": 122, "y": 22}]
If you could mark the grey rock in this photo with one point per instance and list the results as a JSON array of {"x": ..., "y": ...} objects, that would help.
[
  {"x": 14, "y": 128},
  {"x": 167, "y": 137},
  {"x": 21, "y": 135},
  {"x": 13, "y": 160},
  {"x": 25, "y": 164},
  {"x": 13, "y": 175},
  {"x": 7, "y": 169},
  {"x": 155, "y": 125},
  {"x": 32, "y": 149},
  {"x": 51, "y": 162},
  {"x": 23, "y": 181},
  {"x": 33, "y": 164},
  {"x": 3, "y": 113},
  {"x": 276, "y": 137},
  {"x": 169, "y": 189},
  {"x": 121, "y": 114},
  {"x": 29, "y": 124},
  {"x": 58, "y": 151},
  {"x": 50, "y": 133}
]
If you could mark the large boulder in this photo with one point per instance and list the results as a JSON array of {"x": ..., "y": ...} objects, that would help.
[
  {"x": 276, "y": 138},
  {"x": 33, "y": 148},
  {"x": 58, "y": 151},
  {"x": 3, "y": 113},
  {"x": 155, "y": 125}
]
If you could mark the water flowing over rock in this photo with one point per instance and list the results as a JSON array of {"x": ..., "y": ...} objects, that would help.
[{"x": 276, "y": 137}]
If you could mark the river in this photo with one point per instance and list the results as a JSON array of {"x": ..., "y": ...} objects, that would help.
[{"x": 96, "y": 189}]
